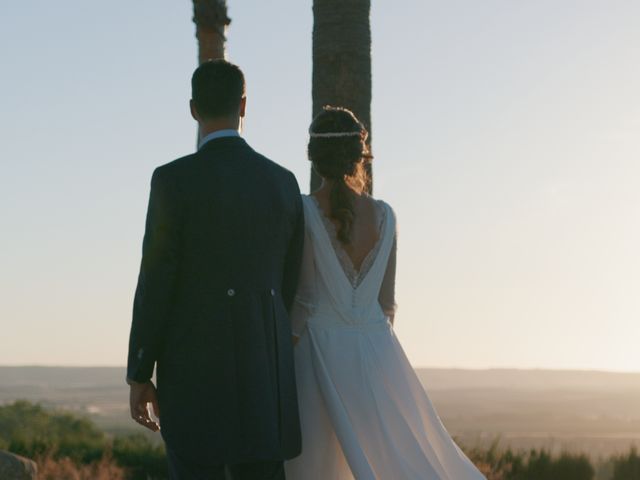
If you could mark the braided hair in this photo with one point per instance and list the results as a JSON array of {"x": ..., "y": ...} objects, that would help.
[{"x": 340, "y": 158}]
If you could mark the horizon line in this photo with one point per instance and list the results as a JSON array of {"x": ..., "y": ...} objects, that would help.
[{"x": 474, "y": 369}]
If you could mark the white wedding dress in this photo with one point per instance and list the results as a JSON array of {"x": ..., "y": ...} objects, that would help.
[{"x": 364, "y": 413}]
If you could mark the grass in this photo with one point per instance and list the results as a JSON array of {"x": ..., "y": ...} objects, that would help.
[{"x": 71, "y": 447}]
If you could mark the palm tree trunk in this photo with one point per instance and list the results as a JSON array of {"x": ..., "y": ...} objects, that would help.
[
  {"x": 342, "y": 61},
  {"x": 210, "y": 17}
]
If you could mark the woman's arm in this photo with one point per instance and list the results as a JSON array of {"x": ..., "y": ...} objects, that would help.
[{"x": 387, "y": 295}]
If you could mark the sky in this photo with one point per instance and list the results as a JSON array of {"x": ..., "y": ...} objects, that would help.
[{"x": 506, "y": 137}]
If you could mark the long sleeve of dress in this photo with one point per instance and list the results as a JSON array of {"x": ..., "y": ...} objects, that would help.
[
  {"x": 302, "y": 307},
  {"x": 387, "y": 295},
  {"x": 293, "y": 259}
]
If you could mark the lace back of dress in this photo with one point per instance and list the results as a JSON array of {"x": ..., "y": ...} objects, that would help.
[{"x": 354, "y": 275}]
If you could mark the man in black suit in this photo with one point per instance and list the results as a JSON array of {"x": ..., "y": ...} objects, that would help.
[{"x": 221, "y": 257}]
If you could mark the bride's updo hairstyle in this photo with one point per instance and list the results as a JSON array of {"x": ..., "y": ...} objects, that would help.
[{"x": 338, "y": 150}]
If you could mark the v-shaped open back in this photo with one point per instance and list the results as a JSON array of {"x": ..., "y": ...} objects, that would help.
[
  {"x": 354, "y": 273},
  {"x": 352, "y": 302}
]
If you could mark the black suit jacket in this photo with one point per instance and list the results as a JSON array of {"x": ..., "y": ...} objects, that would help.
[{"x": 221, "y": 257}]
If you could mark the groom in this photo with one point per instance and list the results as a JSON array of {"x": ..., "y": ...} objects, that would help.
[{"x": 220, "y": 261}]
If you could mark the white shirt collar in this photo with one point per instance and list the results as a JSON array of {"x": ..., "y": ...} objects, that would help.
[{"x": 218, "y": 134}]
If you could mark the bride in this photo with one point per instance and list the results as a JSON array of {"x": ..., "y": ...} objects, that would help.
[{"x": 364, "y": 413}]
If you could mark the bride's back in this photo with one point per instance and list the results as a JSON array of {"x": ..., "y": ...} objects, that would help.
[
  {"x": 357, "y": 224},
  {"x": 364, "y": 231},
  {"x": 341, "y": 281}
]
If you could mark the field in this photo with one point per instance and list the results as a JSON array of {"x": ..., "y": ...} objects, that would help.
[{"x": 597, "y": 413}]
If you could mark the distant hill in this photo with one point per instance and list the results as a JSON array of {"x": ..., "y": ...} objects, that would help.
[{"x": 597, "y": 412}]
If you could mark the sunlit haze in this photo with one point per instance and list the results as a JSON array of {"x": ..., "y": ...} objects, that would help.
[{"x": 506, "y": 137}]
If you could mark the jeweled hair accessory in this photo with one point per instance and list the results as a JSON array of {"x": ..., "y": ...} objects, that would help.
[{"x": 334, "y": 134}]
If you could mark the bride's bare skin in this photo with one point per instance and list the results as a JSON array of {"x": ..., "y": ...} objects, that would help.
[{"x": 364, "y": 232}]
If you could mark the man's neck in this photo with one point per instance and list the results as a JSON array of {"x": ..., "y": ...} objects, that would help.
[{"x": 216, "y": 125}]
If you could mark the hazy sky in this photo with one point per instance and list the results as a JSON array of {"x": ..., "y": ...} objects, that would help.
[{"x": 506, "y": 136}]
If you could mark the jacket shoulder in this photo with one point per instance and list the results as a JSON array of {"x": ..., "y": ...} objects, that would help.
[
  {"x": 276, "y": 169},
  {"x": 175, "y": 167}
]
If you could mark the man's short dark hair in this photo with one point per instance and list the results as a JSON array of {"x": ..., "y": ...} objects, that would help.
[{"x": 217, "y": 86}]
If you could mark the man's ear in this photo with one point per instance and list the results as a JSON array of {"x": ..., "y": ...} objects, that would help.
[
  {"x": 243, "y": 106},
  {"x": 194, "y": 111}
]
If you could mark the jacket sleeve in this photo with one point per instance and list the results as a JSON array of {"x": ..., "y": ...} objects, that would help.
[
  {"x": 293, "y": 258},
  {"x": 157, "y": 279}
]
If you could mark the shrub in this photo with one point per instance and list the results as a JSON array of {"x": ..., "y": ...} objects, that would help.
[
  {"x": 50, "y": 468},
  {"x": 627, "y": 467},
  {"x": 533, "y": 465},
  {"x": 496, "y": 464},
  {"x": 67, "y": 446},
  {"x": 140, "y": 456},
  {"x": 572, "y": 467},
  {"x": 28, "y": 429}
]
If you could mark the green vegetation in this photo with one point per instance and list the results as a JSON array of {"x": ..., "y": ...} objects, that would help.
[
  {"x": 68, "y": 446},
  {"x": 30, "y": 430},
  {"x": 500, "y": 464},
  {"x": 540, "y": 464},
  {"x": 139, "y": 457},
  {"x": 63, "y": 442},
  {"x": 627, "y": 467}
]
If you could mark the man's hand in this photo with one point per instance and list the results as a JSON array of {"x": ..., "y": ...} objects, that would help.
[{"x": 140, "y": 396}]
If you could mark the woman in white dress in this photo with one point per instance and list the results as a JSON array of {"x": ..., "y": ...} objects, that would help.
[{"x": 364, "y": 413}]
